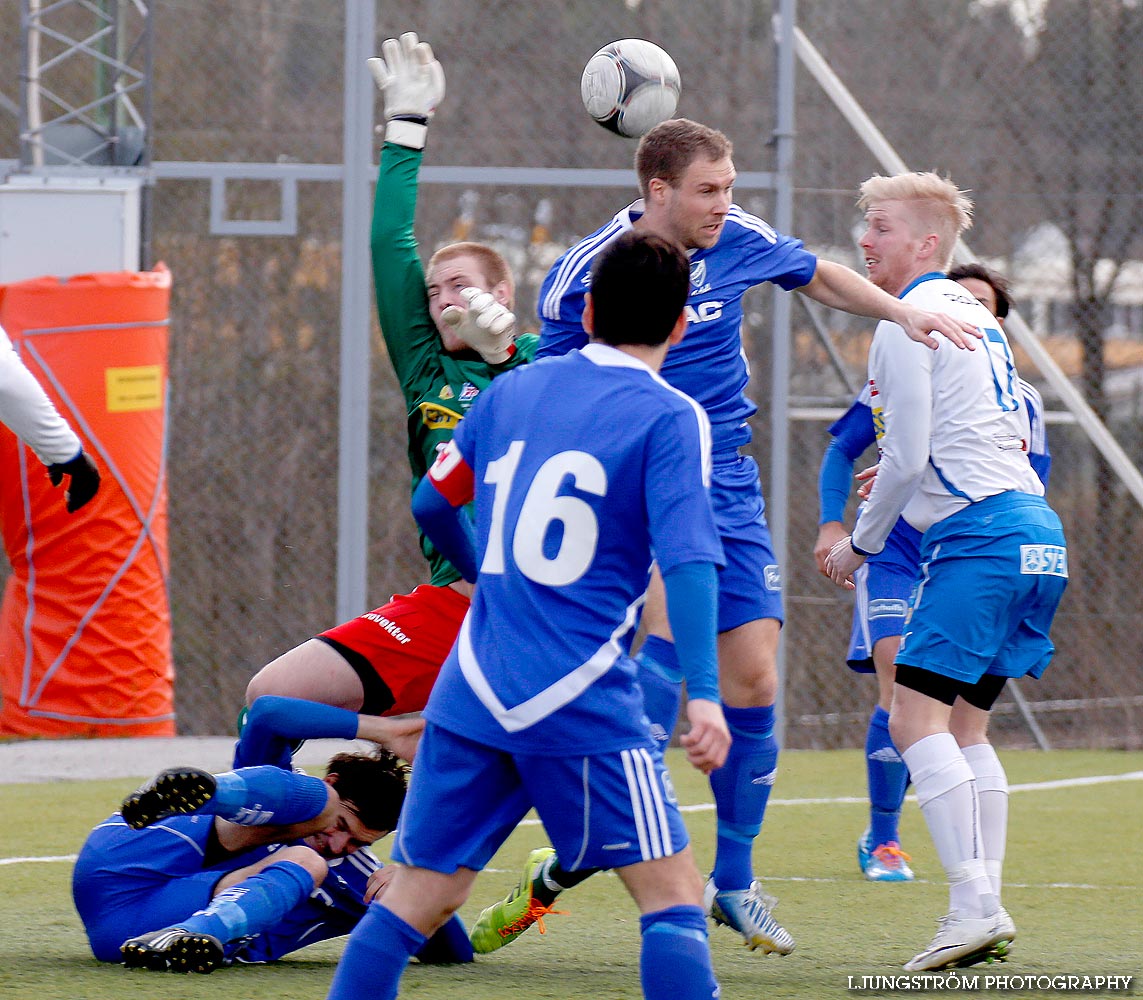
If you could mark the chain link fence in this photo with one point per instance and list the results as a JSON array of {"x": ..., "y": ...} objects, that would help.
[{"x": 1033, "y": 107}]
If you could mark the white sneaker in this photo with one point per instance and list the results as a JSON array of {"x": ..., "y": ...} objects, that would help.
[
  {"x": 1005, "y": 926},
  {"x": 1003, "y": 934},
  {"x": 959, "y": 941},
  {"x": 748, "y": 912}
]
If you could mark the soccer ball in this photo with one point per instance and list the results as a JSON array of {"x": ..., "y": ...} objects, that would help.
[{"x": 630, "y": 86}]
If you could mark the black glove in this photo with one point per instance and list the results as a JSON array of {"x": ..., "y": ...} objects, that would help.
[{"x": 84, "y": 480}]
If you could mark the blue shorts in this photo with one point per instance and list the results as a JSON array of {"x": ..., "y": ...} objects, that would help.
[
  {"x": 881, "y": 600},
  {"x": 604, "y": 811},
  {"x": 991, "y": 578},
  {"x": 127, "y": 882},
  {"x": 750, "y": 584}
]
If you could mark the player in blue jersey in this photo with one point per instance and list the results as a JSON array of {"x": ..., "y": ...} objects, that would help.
[
  {"x": 883, "y": 587},
  {"x": 954, "y": 463},
  {"x": 686, "y": 178},
  {"x": 538, "y": 704},
  {"x": 269, "y": 862}
]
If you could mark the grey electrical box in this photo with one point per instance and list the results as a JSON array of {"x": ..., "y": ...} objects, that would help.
[{"x": 62, "y": 226}]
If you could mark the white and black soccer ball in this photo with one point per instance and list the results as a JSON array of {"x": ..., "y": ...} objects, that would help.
[{"x": 630, "y": 86}]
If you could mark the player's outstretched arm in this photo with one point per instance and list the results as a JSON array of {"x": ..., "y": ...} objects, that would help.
[
  {"x": 31, "y": 415},
  {"x": 838, "y": 287},
  {"x": 274, "y": 724},
  {"x": 399, "y": 736}
]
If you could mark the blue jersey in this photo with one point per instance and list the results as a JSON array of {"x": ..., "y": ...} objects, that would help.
[
  {"x": 709, "y": 365},
  {"x": 570, "y": 513}
]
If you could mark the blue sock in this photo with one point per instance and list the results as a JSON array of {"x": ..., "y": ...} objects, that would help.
[
  {"x": 661, "y": 679},
  {"x": 741, "y": 788},
  {"x": 256, "y": 796},
  {"x": 888, "y": 779},
  {"x": 448, "y": 945},
  {"x": 376, "y": 955},
  {"x": 675, "y": 960},
  {"x": 254, "y": 904}
]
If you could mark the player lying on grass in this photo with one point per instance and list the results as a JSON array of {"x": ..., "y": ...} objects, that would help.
[
  {"x": 449, "y": 332},
  {"x": 245, "y": 866}
]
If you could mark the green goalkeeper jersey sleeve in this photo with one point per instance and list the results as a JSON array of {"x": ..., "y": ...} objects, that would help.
[{"x": 438, "y": 387}]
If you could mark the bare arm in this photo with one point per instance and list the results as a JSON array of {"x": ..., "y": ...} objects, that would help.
[{"x": 838, "y": 287}]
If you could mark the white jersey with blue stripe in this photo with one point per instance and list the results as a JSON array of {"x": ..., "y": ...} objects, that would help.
[
  {"x": 571, "y": 507},
  {"x": 856, "y": 431},
  {"x": 950, "y": 425},
  {"x": 709, "y": 365}
]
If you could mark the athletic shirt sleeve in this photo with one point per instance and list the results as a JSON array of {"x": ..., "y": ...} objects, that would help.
[
  {"x": 900, "y": 384},
  {"x": 764, "y": 254},
  {"x": 1039, "y": 455},
  {"x": 851, "y": 434},
  {"x": 564, "y": 332},
  {"x": 680, "y": 518},
  {"x": 564, "y": 290},
  {"x": 399, "y": 279},
  {"x": 28, "y": 411}
]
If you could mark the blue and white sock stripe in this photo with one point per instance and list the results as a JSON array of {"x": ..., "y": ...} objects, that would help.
[
  {"x": 573, "y": 263},
  {"x": 647, "y": 805}
]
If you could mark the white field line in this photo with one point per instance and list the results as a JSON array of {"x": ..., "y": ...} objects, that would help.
[{"x": 842, "y": 800}]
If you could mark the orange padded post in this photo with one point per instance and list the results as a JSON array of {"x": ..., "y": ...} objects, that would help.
[{"x": 85, "y": 625}]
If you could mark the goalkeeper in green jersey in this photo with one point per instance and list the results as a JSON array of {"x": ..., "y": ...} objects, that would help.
[{"x": 449, "y": 331}]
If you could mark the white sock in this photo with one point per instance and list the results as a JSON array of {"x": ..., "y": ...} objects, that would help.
[
  {"x": 946, "y": 792},
  {"x": 992, "y": 790}
]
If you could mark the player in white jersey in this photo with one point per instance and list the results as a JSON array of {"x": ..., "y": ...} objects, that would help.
[
  {"x": 686, "y": 178},
  {"x": 884, "y": 583},
  {"x": 26, "y": 410},
  {"x": 538, "y": 703},
  {"x": 954, "y": 464}
]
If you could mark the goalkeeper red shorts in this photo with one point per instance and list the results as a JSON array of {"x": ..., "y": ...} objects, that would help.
[{"x": 397, "y": 649}]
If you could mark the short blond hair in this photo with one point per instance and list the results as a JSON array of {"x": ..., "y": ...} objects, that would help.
[{"x": 938, "y": 203}]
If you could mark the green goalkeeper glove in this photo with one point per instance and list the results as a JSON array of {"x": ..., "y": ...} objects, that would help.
[
  {"x": 486, "y": 326},
  {"x": 412, "y": 83}
]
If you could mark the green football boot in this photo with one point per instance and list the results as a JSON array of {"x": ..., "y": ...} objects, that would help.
[{"x": 503, "y": 922}]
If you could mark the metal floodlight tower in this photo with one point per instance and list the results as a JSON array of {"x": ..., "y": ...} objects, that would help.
[{"x": 85, "y": 85}]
